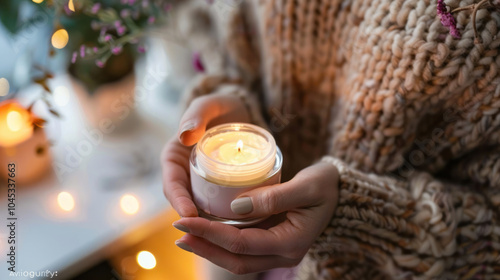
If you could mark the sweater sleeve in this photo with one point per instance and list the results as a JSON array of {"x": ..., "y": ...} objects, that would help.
[
  {"x": 419, "y": 227},
  {"x": 223, "y": 84}
]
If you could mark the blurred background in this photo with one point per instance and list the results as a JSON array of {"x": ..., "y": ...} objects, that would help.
[{"x": 89, "y": 93}]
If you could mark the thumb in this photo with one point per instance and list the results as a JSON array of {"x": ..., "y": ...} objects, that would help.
[
  {"x": 194, "y": 121},
  {"x": 274, "y": 199}
]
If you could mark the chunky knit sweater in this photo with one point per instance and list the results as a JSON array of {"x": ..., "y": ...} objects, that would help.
[{"x": 409, "y": 115}]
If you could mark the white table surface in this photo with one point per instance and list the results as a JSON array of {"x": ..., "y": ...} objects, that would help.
[{"x": 69, "y": 242}]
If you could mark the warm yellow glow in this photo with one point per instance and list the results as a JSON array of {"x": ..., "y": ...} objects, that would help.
[
  {"x": 61, "y": 95},
  {"x": 15, "y": 124},
  {"x": 14, "y": 121},
  {"x": 38, "y": 1},
  {"x": 146, "y": 260},
  {"x": 60, "y": 39},
  {"x": 65, "y": 201},
  {"x": 129, "y": 204},
  {"x": 70, "y": 5}
]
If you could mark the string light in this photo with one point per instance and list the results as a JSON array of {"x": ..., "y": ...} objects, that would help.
[
  {"x": 66, "y": 201},
  {"x": 146, "y": 260},
  {"x": 129, "y": 204},
  {"x": 71, "y": 6},
  {"x": 4, "y": 87},
  {"x": 60, "y": 38},
  {"x": 38, "y": 1}
]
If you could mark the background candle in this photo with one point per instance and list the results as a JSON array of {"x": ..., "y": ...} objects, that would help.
[
  {"x": 229, "y": 160},
  {"x": 21, "y": 144}
]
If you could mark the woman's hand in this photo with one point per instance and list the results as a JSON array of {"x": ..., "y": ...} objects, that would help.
[
  {"x": 204, "y": 112},
  {"x": 309, "y": 199}
]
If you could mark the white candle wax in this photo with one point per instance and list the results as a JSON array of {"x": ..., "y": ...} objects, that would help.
[{"x": 236, "y": 154}]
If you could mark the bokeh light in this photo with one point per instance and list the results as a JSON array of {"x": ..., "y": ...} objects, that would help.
[
  {"x": 66, "y": 201},
  {"x": 60, "y": 38},
  {"x": 71, "y": 6},
  {"x": 129, "y": 204},
  {"x": 38, "y": 1},
  {"x": 146, "y": 260},
  {"x": 4, "y": 87}
]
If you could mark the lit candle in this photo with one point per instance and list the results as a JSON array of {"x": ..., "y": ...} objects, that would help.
[
  {"x": 21, "y": 144},
  {"x": 231, "y": 159}
]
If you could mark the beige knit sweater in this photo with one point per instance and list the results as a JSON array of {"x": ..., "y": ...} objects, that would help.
[{"x": 408, "y": 114}]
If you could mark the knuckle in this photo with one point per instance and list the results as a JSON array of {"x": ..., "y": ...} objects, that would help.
[
  {"x": 239, "y": 268},
  {"x": 269, "y": 201},
  {"x": 238, "y": 246}
]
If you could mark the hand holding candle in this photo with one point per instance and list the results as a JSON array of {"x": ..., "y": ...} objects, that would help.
[
  {"x": 231, "y": 159},
  {"x": 310, "y": 199}
]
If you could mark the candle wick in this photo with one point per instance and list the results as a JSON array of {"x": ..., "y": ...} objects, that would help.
[{"x": 239, "y": 149}]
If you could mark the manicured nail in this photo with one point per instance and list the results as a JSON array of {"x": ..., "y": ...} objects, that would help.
[
  {"x": 183, "y": 246},
  {"x": 187, "y": 127},
  {"x": 242, "y": 205},
  {"x": 180, "y": 227}
]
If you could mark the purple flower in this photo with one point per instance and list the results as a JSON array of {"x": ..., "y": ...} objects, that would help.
[
  {"x": 447, "y": 19},
  {"x": 103, "y": 31},
  {"x": 125, "y": 13},
  {"x": 73, "y": 58},
  {"x": 82, "y": 51},
  {"x": 141, "y": 49},
  {"x": 121, "y": 30},
  {"x": 151, "y": 20},
  {"x": 131, "y": 2},
  {"x": 116, "y": 50},
  {"x": 95, "y": 9},
  {"x": 99, "y": 63},
  {"x": 107, "y": 38},
  {"x": 95, "y": 49},
  {"x": 167, "y": 7},
  {"x": 117, "y": 24},
  {"x": 197, "y": 64}
]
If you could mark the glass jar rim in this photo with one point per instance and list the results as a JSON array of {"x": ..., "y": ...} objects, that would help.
[{"x": 231, "y": 127}]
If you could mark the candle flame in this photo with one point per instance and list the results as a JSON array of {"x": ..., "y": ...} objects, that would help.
[{"x": 239, "y": 145}]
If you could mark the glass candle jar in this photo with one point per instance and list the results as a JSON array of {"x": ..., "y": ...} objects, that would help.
[{"x": 231, "y": 159}]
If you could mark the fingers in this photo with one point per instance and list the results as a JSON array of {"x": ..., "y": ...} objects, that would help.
[
  {"x": 235, "y": 263},
  {"x": 210, "y": 110},
  {"x": 249, "y": 241},
  {"x": 309, "y": 187},
  {"x": 175, "y": 165}
]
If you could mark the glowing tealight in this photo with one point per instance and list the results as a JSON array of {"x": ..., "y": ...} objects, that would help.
[
  {"x": 146, "y": 260},
  {"x": 60, "y": 39},
  {"x": 129, "y": 204},
  {"x": 61, "y": 95},
  {"x": 71, "y": 6},
  {"x": 38, "y": 1},
  {"x": 14, "y": 121},
  {"x": 65, "y": 201}
]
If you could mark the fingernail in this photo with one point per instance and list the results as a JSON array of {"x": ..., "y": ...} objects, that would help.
[
  {"x": 180, "y": 227},
  {"x": 242, "y": 205},
  {"x": 183, "y": 246},
  {"x": 187, "y": 127}
]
